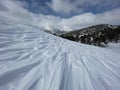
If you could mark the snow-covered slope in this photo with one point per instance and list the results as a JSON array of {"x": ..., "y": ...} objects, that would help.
[
  {"x": 114, "y": 47},
  {"x": 31, "y": 59}
]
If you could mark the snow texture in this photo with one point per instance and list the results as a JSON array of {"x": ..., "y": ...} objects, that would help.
[
  {"x": 114, "y": 47},
  {"x": 31, "y": 59}
]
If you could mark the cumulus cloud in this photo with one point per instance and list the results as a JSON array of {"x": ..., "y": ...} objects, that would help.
[
  {"x": 79, "y": 6},
  {"x": 15, "y": 10},
  {"x": 45, "y": 21},
  {"x": 88, "y": 19},
  {"x": 62, "y": 6}
]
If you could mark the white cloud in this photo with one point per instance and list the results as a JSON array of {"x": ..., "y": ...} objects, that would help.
[
  {"x": 62, "y": 6},
  {"x": 88, "y": 19},
  {"x": 15, "y": 11},
  {"x": 45, "y": 21},
  {"x": 79, "y": 6}
]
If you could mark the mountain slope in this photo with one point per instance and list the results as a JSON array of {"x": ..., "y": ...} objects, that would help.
[
  {"x": 97, "y": 35},
  {"x": 92, "y": 29},
  {"x": 31, "y": 59}
]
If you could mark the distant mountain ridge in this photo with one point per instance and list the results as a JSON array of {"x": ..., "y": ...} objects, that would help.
[
  {"x": 55, "y": 31},
  {"x": 93, "y": 29}
]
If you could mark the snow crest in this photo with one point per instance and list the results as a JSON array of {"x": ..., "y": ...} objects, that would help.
[{"x": 31, "y": 59}]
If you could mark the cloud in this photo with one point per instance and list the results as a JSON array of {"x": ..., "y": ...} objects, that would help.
[
  {"x": 62, "y": 6},
  {"x": 3, "y": 8},
  {"x": 80, "y": 6},
  {"x": 15, "y": 10},
  {"x": 45, "y": 21},
  {"x": 88, "y": 19}
]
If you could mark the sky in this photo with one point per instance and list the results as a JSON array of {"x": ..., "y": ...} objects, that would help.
[{"x": 62, "y": 14}]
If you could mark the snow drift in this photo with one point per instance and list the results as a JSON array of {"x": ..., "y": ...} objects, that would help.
[{"x": 31, "y": 59}]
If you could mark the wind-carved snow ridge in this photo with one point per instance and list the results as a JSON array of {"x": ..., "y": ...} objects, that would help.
[{"x": 31, "y": 59}]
